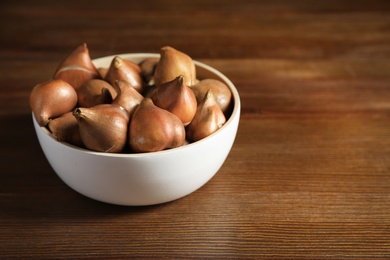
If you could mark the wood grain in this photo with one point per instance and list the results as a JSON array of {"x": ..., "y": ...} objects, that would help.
[{"x": 307, "y": 177}]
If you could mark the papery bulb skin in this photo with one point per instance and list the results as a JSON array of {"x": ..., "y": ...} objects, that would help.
[
  {"x": 122, "y": 69},
  {"x": 128, "y": 97},
  {"x": 65, "y": 129},
  {"x": 77, "y": 68},
  {"x": 95, "y": 92},
  {"x": 154, "y": 129},
  {"x": 221, "y": 92},
  {"x": 172, "y": 64},
  {"x": 103, "y": 128},
  {"x": 176, "y": 97},
  {"x": 52, "y": 99},
  {"x": 208, "y": 119}
]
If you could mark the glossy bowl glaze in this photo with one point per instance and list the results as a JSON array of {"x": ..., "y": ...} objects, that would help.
[{"x": 144, "y": 178}]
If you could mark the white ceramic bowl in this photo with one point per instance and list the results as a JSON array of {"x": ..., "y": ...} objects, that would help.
[{"x": 146, "y": 178}]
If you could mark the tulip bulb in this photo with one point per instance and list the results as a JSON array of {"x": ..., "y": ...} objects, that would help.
[
  {"x": 95, "y": 92},
  {"x": 147, "y": 69},
  {"x": 103, "y": 128},
  {"x": 102, "y": 72},
  {"x": 77, "y": 68},
  {"x": 208, "y": 119},
  {"x": 128, "y": 97},
  {"x": 51, "y": 99},
  {"x": 172, "y": 64},
  {"x": 65, "y": 129},
  {"x": 154, "y": 129},
  {"x": 122, "y": 69},
  {"x": 176, "y": 97},
  {"x": 221, "y": 92}
]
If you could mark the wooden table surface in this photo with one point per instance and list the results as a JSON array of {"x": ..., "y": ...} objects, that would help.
[{"x": 308, "y": 175}]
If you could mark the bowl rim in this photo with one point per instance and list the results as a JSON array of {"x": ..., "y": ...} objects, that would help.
[{"x": 235, "y": 112}]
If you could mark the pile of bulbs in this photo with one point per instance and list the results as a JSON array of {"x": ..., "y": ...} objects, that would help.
[{"x": 130, "y": 107}]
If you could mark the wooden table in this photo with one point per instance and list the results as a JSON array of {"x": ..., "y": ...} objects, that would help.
[{"x": 307, "y": 177}]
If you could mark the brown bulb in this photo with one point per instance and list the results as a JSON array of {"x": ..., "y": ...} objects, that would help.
[
  {"x": 103, "y": 128},
  {"x": 208, "y": 119},
  {"x": 154, "y": 129},
  {"x": 176, "y": 97},
  {"x": 52, "y": 99},
  {"x": 220, "y": 90},
  {"x": 127, "y": 97},
  {"x": 102, "y": 72},
  {"x": 147, "y": 69},
  {"x": 77, "y": 68},
  {"x": 95, "y": 92},
  {"x": 172, "y": 64},
  {"x": 65, "y": 129},
  {"x": 122, "y": 69}
]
